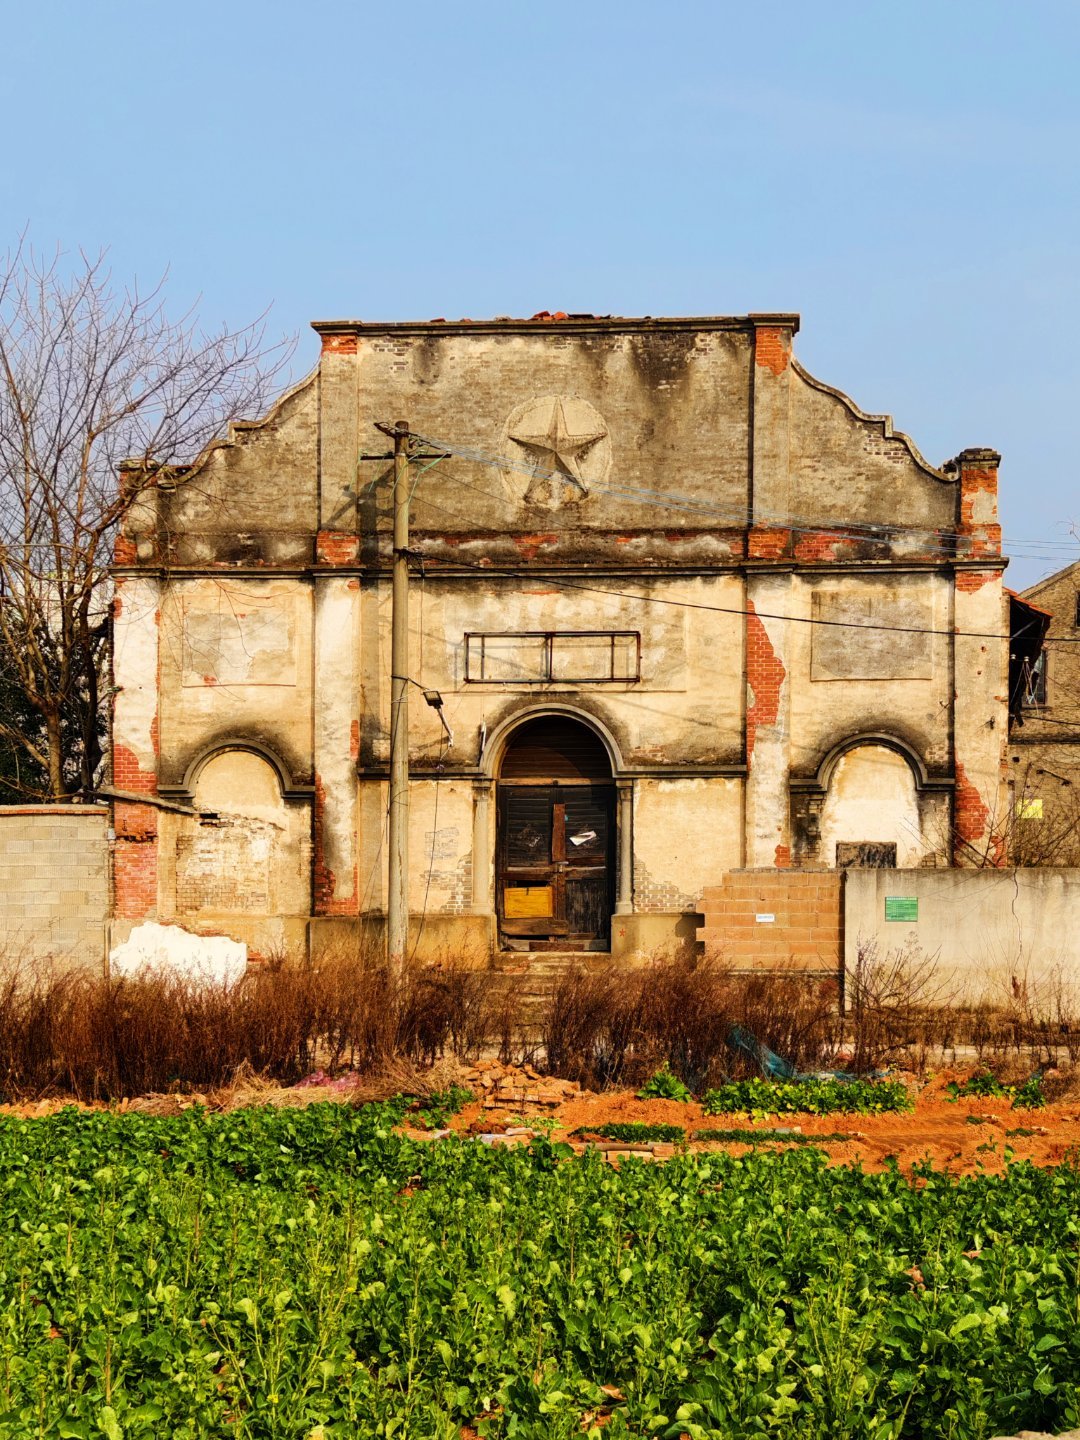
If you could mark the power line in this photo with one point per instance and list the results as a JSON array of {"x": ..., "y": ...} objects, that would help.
[
  {"x": 563, "y": 583},
  {"x": 560, "y": 581},
  {"x": 687, "y": 504},
  {"x": 942, "y": 550}
]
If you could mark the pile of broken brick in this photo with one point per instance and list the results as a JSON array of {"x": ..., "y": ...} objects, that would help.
[
  {"x": 517, "y": 1087},
  {"x": 516, "y": 1092}
]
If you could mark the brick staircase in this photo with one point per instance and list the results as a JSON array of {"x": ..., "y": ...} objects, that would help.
[{"x": 533, "y": 975}]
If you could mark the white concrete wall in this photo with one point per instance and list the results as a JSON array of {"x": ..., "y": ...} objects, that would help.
[{"x": 996, "y": 934}]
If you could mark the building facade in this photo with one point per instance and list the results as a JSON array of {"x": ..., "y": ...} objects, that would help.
[
  {"x": 682, "y": 608},
  {"x": 1045, "y": 750}
]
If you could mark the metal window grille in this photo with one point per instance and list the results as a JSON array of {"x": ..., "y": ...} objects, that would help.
[{"x": 542, "y": 657}]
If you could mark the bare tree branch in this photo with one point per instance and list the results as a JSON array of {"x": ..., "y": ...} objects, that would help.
[{"x": 92, "y": 376}]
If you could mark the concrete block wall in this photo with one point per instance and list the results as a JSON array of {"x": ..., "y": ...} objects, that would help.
[
  {"x": 776, "y": 920},
  {"x": 54, "y": 883},
  {"x": 994, "y": 936}
]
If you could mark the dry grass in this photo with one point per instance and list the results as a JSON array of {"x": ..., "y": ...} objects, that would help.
[
  {"x": 99, "y": 1039},
  {"x": 618, "y": 1027},
  {"x": 96, "y": 1039}
]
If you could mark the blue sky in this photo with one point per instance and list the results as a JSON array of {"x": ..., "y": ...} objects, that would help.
[{"x": 904, "y": 176}]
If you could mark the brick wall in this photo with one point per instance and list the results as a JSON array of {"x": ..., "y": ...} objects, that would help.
[
  {"x": 54, "y": 882},
  {"x": 806, "y": 931}
]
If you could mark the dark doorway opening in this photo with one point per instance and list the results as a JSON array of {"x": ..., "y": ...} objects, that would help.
[{"x": 555, "y": 862}]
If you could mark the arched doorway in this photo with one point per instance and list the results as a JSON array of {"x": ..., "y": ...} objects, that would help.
[{"x": 555, "y": 857}]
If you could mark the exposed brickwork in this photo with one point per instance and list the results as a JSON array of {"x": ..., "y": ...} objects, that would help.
[
  {"x": 54, "y": 881},
  {"x": 986, "y": 541},
  {"x": 970, "y": 581},
  {"x": 822, "y": 546},
  {"x": 658, "y": 897},
  {"x": 773, "y": 348},
  {"x": 765, "y": 543},
  {"x": 124, "y": 551},
  {"x": 783, "y": 857},
  {"x": 128, "y": 774},
  {"x": 457, "y": 883},
  {"x": 135, "y": 877},
  {"x": 978, "y": 503},
  {"x": 764, "y": 676},
  {"x": 529, "y": 545},
  {"x": 805, "y": 933},
  {"x": 336, "y": 547},
  {"x": 971, "y": 822},
  {"x": 340, "y": 344},
  {"x": 135, "y": 857},
  {"x": 975, "y": 481},
  {"x": 135, "y": 853}
]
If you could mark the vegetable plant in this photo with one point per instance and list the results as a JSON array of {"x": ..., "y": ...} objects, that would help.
[
  {"x": 316, "y": 1275},
  {"x": 807, "y": 1097},
  {"x": 664, "y": 1086}
]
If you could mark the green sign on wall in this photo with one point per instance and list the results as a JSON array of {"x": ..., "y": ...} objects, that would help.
[{"x": 901, "y": 907}]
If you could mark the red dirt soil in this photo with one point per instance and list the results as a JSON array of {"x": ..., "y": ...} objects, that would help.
[{"x": 965, "y": 1136}]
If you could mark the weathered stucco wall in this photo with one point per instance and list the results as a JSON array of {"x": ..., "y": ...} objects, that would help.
[
  {"x": 996, "y": 936},
  {"x": 236, "y": 658},
  {"x": 871, "y": 799},
  {"x": 54, "y": 884},
  {"x": 794, "y": 572},
  {"x": 685, "y": 708},
  {"x": 686, "y": 832}
]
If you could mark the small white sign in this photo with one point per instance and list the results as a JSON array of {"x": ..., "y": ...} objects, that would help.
[{"x": 765, "y": 919}]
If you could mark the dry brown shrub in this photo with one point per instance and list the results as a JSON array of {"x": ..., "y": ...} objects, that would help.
[
  {"x": 891, "y": 997},
  {"x": 1026, "y": 1013},
  {"x": 591, "y": 1026},
  {"x": 98, "y": 1038},
  {"x": 796, "y": 1016},
  {"x": 616, "y": 1027}
]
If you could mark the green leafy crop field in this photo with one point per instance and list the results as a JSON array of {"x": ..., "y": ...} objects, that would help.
[{"x": 312, "y": 1274}]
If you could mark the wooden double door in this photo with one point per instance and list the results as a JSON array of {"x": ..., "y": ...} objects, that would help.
[{"x": 555, "y": 871}]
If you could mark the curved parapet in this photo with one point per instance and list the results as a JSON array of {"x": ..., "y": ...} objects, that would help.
[
  {"x": 883, "y": 423},
  {"x": 237, "y": 432}
]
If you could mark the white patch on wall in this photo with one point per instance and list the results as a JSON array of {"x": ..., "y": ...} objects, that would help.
[
  {"x": 168, "y": 949},
  {"x": 847, "y": 646},
  {"x": 230, "y": 637}
]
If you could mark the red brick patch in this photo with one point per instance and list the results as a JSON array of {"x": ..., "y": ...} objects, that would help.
[
  {"x": 765, "y": 676},
  {"x": 336, "y": 547},
  {"x": 339, "y": 344},
  {"x": 772, "y": 352}
]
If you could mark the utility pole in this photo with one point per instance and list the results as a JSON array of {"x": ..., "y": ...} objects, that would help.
[{"x": 397, "y": 900}]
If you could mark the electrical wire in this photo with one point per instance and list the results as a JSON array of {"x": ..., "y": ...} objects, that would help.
[
  {"x": 944, "y": 552},
  {"x": 431, "y": 857},
  {"x": 840, "y": 529},
  {"x": 721, "y": 609},
  {"x": 562, "y": 582}
]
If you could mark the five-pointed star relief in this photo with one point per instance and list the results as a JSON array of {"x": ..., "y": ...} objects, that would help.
[{"x": 558, "y": 445}]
